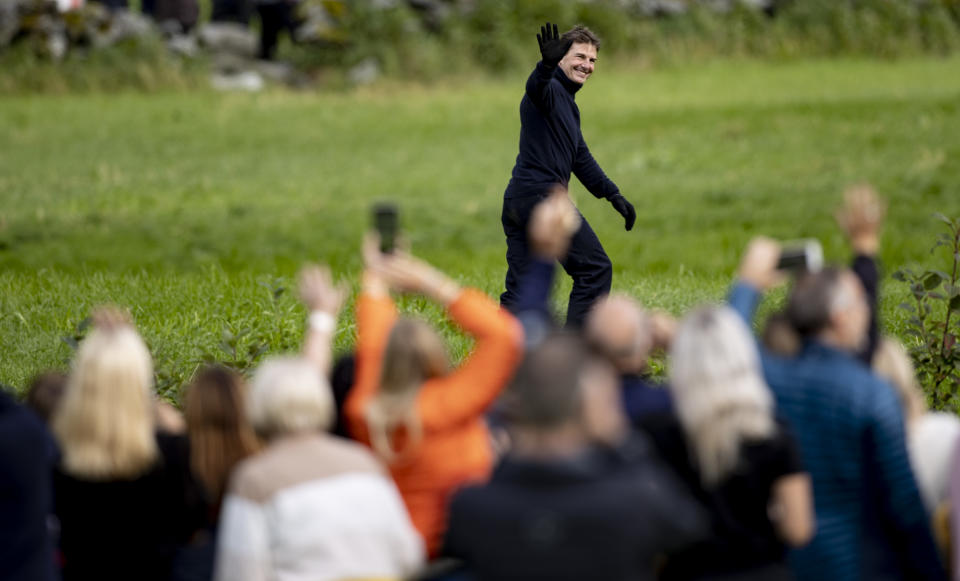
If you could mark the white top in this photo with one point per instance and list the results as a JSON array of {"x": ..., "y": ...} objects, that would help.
[
  {"x": 293, "y": 516},
  {"x": 931, "y": 440}
]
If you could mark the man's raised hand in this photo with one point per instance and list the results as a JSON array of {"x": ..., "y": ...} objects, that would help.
[
  {"x": 625, "y": 208},
  {"x": 552, "y": 47}
]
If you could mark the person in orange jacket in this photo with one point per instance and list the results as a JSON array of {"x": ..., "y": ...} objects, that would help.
[{"x": 422, "y": 418}]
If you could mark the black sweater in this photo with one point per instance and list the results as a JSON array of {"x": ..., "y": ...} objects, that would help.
[
  {"x": 129, "y": 529},
  {"x": 551, "y": 145},
  {"x": 26, "y": 461}
]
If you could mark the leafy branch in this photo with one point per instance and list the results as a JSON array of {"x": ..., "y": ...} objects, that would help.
[{"x": 931, "y": 323}]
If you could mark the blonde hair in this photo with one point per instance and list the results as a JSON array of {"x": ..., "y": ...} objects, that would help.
[
  {"x": 720, "y": 395},
  {"x": 289, "y": 395},
  {"x": 105, "y": 423},
  {"x": 220, "y": 433},
  {"x": 414, "y": 354},
  {"x": 891, "y": 362}
]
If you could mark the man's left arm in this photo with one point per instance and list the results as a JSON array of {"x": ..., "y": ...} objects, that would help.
[{"x": 588, "y": 171}]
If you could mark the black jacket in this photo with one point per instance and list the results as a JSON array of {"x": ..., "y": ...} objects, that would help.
[
  {"x": 26, "y": 462},
  {"x": 551, "y": 145},
  {"x": 602, "y": 515}
]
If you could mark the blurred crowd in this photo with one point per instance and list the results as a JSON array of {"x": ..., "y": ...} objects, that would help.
[{"x": 806, "y": 452}]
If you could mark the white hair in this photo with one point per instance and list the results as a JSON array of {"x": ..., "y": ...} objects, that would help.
[
  {"x": 289, "y": 395},
  {"x": 719, "y": 392}
]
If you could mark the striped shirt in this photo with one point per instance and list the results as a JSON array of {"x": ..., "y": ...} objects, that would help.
[{"x": 871, "y": 522}]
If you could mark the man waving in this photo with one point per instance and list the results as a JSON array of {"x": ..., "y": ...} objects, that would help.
[{"x": 551, "y": 147}]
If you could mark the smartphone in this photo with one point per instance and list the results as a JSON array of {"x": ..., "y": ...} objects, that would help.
[
  {"x": 801, "y": 255},
  {"x": 386, "y": 223}
]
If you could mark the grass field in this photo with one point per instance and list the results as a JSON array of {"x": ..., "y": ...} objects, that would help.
[{"x": 195, "y": 210}]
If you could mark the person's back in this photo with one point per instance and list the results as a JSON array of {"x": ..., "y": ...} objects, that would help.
[
  {"x": 324, "y": 505},
  {"x": 871, "y": 523},
  {"x": 576, "y": 519},
  {"x": 310, "y": 505},
  {"x": 26, "y": 550},
  {"x": 560, "y": 505},
  {"x": 126, "y": 528},
  {"x": 836, "y": 408}
]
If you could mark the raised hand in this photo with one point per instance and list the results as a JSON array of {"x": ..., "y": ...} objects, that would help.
[
  {"x": 625, "y": 208},
  {"x": 318, "y": 291},
  {"x": 552, "y": 47},
  {"x": 861, "y": 217},
  {"x": 552, "y": 225},
  {"x": 758, "y": 267}
]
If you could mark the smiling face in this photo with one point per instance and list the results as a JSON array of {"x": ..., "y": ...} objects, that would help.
[{"x": 579, "y": 62}]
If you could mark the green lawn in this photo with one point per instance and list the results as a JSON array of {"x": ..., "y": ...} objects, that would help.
[{"x": 195, "y": 210}]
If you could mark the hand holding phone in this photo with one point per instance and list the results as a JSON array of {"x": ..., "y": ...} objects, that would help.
[
  {"x": 802, "y": 255},
  {"x": 386, "y": 223}
]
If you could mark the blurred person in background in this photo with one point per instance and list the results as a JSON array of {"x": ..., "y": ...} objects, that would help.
[
  {"x": 422, "y": 418},
  {"x": 310, "y": 505},
  {"x": 45, "y": 393},
  {"x": 727, "y": 445},
  {"x": 124, "y": 493},
  {"x": 620, "y": 328},
  {"x": 931, "y": 436},
  {"x": 871, "y": 523},
  {"x": 275, "y": 16},
  {"x": 551, "y": 147},
  {"x": 220, "y": 437},
  {"x": 26, "y": 494},
  {"x": 556, "y": 508}
]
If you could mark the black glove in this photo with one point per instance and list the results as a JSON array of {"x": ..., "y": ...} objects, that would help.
[
  {"x": 620, "y": 204},
  {"x": 552, "y": 47}
]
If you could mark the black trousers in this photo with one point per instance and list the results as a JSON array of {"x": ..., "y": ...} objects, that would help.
[
  {"x": 274, "y": 17},
  {"x": 586, "y": 262}
]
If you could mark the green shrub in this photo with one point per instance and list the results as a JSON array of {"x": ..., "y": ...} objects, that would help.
[{"x": 934, "y": 321}]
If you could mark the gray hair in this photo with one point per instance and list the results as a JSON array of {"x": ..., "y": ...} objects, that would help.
[
  {"x": 814, "y": 299},
  {"x": 719, "y": 392},
  {"x": 289, "y": 395}
]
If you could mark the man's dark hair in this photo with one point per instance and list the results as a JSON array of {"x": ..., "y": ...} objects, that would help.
[
  {"x": 580, "y": 33},
  {"x": 545, "y": 393},
  {"x": 810, "y": 304}
]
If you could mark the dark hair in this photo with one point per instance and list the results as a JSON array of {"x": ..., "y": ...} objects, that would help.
[
  {"x": 582, "y": 34},
  {"x": 44, "y": 394},
  {"x": 341, "y": 382},
  {"x": 220, "y": 433},
  {"x": 545, "y": 392},
  {"x": 779, "y": 336},
  {"x": 809, "y": 306}
]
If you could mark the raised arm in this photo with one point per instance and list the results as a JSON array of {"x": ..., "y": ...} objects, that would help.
[
  {"x": 323, "y": 299},
  {"x": 757, "y": 273},
  {"x": 472, "y": 387},
  {"x": 552, "y": 49},
  {"x": 376, "y": 315},
  {"x": 861, "y": 218}
]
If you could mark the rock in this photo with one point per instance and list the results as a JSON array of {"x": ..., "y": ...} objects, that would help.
[
  {"x": 9, "y": 20},
  {"x": 184, "y": 45},
  {"x": 317, "y": 24},
  {"x": 364, "y": 73},
  {"x": 228, "y": 37},
  {"x": 249, "y": 81},
  {"x": 129, "y": 25},
  {"x": 277, "y": 72}
]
